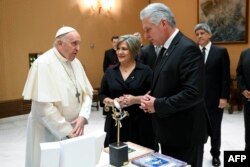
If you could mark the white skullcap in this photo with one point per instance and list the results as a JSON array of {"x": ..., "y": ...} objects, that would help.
[{"x": 64, "y": 30}]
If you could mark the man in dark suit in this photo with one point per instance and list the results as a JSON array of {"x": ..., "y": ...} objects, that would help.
[
  {"x": 110, "y": 57},
  {"x": 148, "y": 55},
  {"x": 217, "y": 84},
  {"x": 176, "y": 99},
  {"x": 243, "y": 80}
]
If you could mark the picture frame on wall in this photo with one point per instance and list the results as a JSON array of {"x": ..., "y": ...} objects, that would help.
[{"x": 228, "y": 19}]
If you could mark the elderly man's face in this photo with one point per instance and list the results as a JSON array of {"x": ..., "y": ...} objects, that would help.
[
  {"x": 154, "y": 33},
  {"x": 69, "y": 45}
]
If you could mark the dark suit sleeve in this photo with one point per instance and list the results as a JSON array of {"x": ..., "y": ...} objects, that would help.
[
  {"x": 225, "y": 69},
  {"x": 240, "y": 79}
]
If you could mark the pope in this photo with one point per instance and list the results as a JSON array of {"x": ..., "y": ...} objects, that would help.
[{"x": 61, "y": 95}]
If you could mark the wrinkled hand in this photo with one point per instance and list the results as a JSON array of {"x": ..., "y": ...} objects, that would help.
[
  {"x": 246, "y": 93},
  {"x": 78, "y": 125},
  {"x": 222, "y": 103},
  {"x": 147, "y": 103}
]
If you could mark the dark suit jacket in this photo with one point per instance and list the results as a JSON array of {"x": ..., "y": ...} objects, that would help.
[
  {"x": 180, "y": 119},
  {"x": 217, "y": 73},
  {"x": 148, "y": 55},
  {"x": 243, "y": 71},
  {"x": 110, "y": 59}
]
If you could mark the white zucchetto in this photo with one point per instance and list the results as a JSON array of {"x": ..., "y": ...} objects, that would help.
[{"x": 64, "y": 30}]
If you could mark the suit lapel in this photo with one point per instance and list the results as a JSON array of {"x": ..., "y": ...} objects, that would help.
[
  {"x": 165, "y": 57},
  {"x": 209, "y": 59}
]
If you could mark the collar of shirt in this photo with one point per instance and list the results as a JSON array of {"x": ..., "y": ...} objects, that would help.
[
  {"x": 170, "y": 39},
  {"x": 59, "y": 56},
  {"x": 208, "y": 46}
]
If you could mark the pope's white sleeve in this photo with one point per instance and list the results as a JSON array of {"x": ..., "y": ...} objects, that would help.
[
  {"x": 86, "y": 107},
  {"x": 49, "y": 115}
]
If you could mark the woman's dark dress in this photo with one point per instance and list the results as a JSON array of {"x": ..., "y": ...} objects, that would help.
[{"x": 136, "y": 128}]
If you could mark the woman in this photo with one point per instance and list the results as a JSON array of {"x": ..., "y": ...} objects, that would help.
[{"x": 126, "y": 82}]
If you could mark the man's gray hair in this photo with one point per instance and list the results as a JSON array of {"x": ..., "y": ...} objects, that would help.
[
  {"x": 133, "y": 43},
  {"x": 203, "y": 26},
  {"x": 157, "y": 12}
]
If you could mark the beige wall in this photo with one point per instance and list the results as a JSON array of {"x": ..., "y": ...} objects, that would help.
[{"x": 29, "y": 27}]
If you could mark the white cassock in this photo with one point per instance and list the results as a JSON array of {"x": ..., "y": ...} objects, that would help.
[{"x": 51, "y": 85}]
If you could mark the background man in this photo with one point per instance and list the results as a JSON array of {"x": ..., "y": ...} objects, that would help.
[
  {"x": 110, "y": 56},
  {"x": 138, "y": 35},
  {"x": 243, "y": 80},
  {"x": 217, "y": 84}
]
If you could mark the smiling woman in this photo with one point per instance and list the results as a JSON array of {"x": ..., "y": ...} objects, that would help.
[{"x": 126, "y": 82}]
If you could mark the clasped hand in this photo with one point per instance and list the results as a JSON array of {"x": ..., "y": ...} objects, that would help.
[
  {"x": 125, "y": 100},
  {"x": 147, "y": 103}
]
